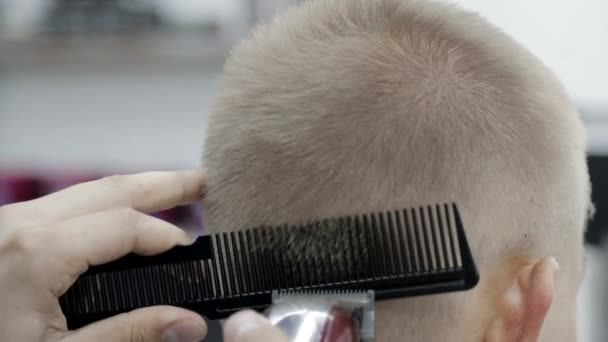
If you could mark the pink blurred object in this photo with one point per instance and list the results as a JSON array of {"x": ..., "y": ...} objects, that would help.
[{"x": 19, "y": 188}]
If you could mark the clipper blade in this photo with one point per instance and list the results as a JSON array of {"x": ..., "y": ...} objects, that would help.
[{"x": 324, "y": 316}]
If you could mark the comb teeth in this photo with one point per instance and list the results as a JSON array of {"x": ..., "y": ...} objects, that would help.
[
  {"x": 395, "y": 253},
  {"x": 390, "y": 244},
  {"x": 348, "y": 294}
]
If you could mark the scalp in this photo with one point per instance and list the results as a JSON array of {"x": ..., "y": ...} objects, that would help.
[
  {"x": 341, "y": 107},
  {"x": 341, "y": 100}
]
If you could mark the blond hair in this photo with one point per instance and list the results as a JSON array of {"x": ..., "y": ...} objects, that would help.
[{"x": 346, "y": 106}]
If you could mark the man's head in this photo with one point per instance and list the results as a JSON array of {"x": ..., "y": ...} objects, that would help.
[{"x": 341, "y": 107}]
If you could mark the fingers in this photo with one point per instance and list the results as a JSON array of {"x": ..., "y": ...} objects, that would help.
[
  {"x": 105, "y": 236},
  {"x": 249, "y": 326},
  {"x": 154, "y": 324},
  {"x": 146, "y": 192}
]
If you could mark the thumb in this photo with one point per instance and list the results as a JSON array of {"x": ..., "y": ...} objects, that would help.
[
  {"x": 153, "y": 324},
  {"x": 249, "y": 326}
]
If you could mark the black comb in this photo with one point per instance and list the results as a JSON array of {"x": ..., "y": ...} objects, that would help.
[{"x": 401, "y": 253}]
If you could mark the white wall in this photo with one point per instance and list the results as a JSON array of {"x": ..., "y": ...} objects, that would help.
[
  {"x": 105, "y": 117},
  {"x": 570, "y": 36}
]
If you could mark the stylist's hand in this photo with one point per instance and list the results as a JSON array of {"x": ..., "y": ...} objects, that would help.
[
  {"x": 249, "y": 326},
  {"x": 45, "y": 244}
]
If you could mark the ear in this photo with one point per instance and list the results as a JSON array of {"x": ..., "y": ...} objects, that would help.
[{"x": 522, "y": 308}]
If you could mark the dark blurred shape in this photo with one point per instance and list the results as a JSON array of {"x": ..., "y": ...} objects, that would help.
[
  {"x": 19, "y": 188},
  {"x": 598, "y": 169},
  {"x": 100, "y": 16}
]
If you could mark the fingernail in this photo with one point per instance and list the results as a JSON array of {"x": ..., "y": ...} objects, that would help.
[
  {"x": 185, "y": 331},
  {"x": 556, "y": 264},
  {"x": 203, "y": 187},
  {"x": 242, "y": 323},
  {"x": 186, "y": 239}
]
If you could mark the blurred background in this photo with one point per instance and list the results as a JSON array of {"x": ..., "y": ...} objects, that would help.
[{"x": 95, "y": 87}]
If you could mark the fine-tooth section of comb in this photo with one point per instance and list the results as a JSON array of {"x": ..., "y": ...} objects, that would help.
[{"x": 397, "y": 253}]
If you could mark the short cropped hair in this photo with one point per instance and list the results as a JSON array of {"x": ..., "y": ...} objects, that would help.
[{"x": 340, "y": 107}]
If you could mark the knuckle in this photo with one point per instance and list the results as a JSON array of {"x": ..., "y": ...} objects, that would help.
[
  {"x": 22, "y": 215},
  {"x": 138, "y": 191},
  {"x": 126, "y": 184},
  {"x": 137, "y": 334},
  {"x": 12, "y": 216},
  {"x": 129, "y": 216},
  {"x": 115, "y": 182},
  {"x": 21, "y": 243}
]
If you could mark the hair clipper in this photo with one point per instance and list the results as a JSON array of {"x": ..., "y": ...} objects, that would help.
[{"x": 324, "y": 316}]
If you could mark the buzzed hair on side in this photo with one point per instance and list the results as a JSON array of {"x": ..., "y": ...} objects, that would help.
[{"x": 339, "y": 107}]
